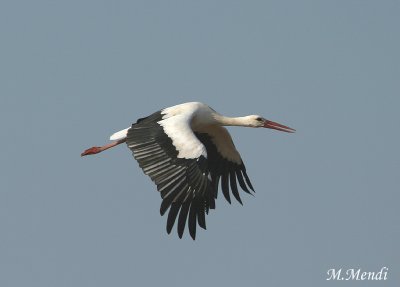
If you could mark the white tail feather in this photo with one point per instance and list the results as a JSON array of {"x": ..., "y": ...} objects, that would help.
[{"x": 119, "y": 135}]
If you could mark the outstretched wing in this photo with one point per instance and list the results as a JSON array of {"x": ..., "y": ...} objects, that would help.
[
  {"x": 224, "y": 162},
  {"x": 168, "y": 151},
  {"x": 187, "y": 166}
]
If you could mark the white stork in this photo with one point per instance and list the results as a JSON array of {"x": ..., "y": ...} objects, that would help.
[{"x": 186, "y": 151}]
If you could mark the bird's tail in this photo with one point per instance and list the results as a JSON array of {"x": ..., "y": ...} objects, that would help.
[{"x": 119, "y": 135}]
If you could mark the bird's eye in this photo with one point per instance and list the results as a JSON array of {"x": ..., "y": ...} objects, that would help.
[{"x": 259, "y": 119}]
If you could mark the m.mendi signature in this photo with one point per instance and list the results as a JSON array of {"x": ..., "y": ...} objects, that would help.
[{"x": 357, "y": 274}]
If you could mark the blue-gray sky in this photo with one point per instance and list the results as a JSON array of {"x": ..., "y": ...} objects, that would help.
[{"x": 74, "y": 72}]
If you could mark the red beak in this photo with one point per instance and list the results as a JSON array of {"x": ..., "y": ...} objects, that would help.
[{"x": 279, "y": 127}]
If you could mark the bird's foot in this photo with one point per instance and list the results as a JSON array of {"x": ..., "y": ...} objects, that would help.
[{"x": 92, "y": 150}]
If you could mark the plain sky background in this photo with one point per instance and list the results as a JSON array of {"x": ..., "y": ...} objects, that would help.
[{"x": 74, "y": 72}]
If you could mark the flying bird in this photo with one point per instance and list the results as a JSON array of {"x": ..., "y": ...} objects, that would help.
[{"x": 188, "y": 153}]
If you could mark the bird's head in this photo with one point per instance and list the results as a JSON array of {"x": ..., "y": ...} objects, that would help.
[{"x": 257, "y": 121}]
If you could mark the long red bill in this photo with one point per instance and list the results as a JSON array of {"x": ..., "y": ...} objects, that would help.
[{"x": 279, "y": 127}]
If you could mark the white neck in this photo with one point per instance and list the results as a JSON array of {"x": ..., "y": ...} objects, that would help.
[{"x": 232, "y": 121}]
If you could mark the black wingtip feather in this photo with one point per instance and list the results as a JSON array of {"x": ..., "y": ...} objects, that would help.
[
  {"x": 192, "y": 219},
  {"x": 225, "y": 188},
  {"x": 234, "y": 188},
  {"x": 165, "y": 204},
  {"x": 247, "y": 179},
  {"x": 182, "y": 218},
  {"x": 241, "y": 181},
  {"x": 201, "y": 217},
  {"x": 172, "y": 216},
  {"x": 215, "y": 183}
]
